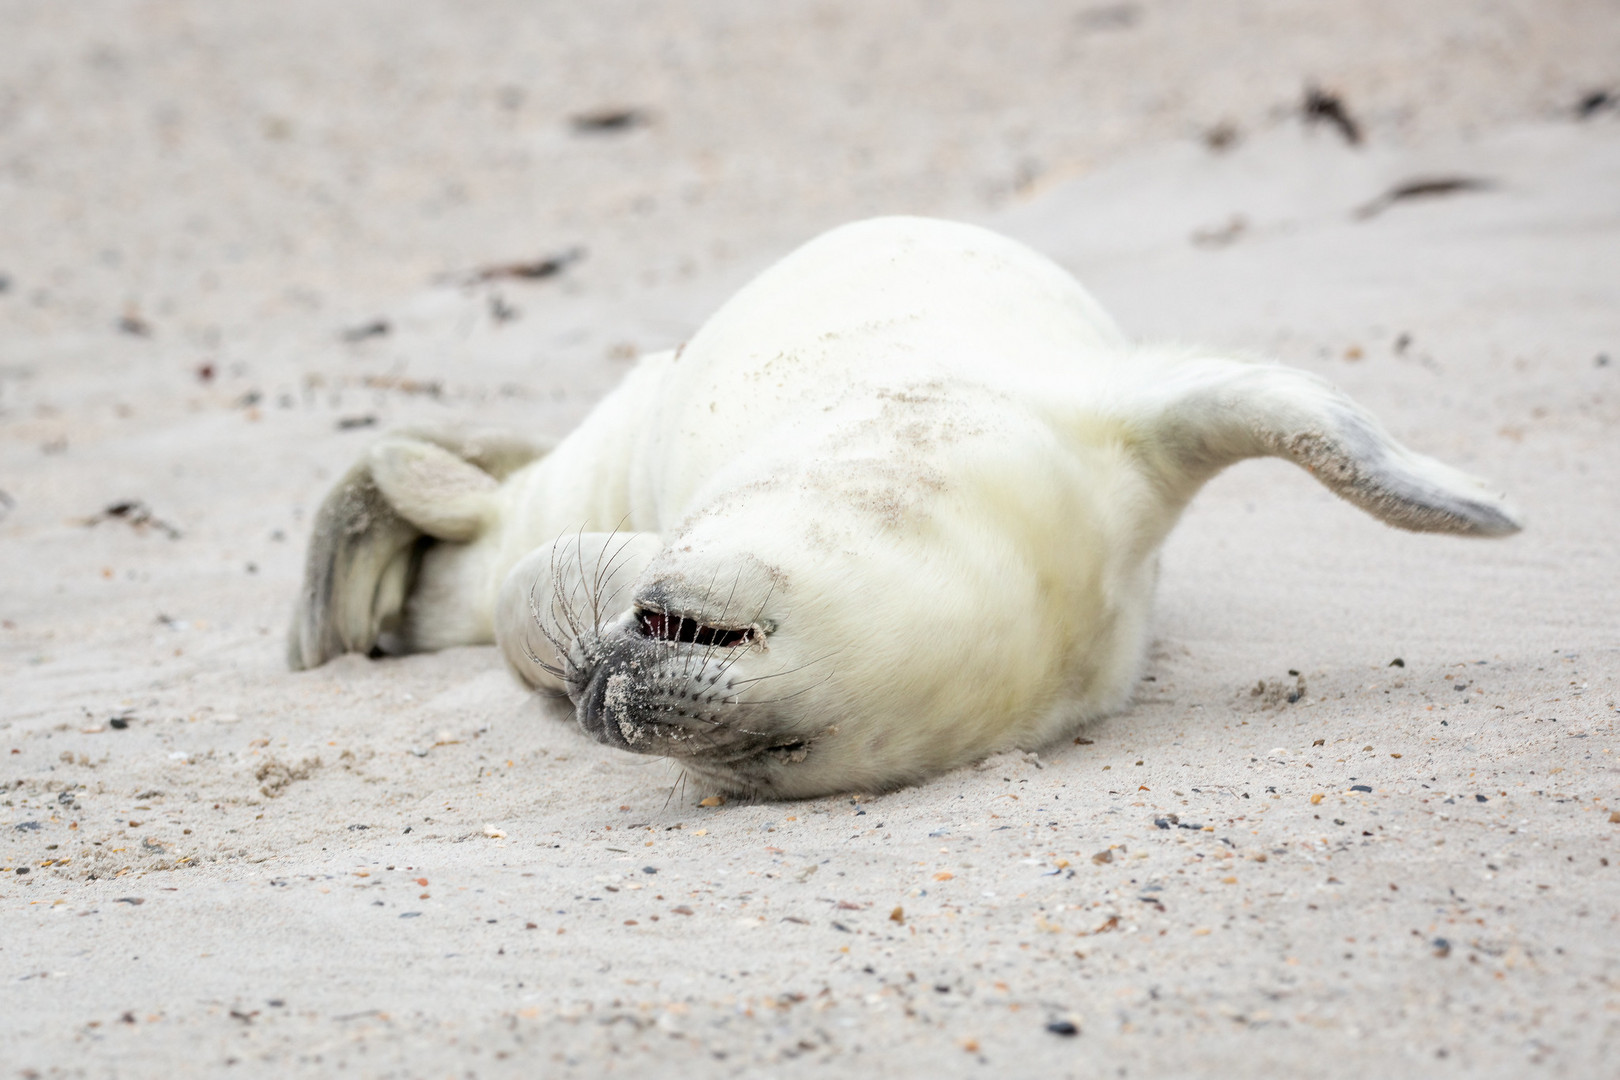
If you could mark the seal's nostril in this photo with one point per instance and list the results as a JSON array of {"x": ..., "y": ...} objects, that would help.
[{"x": 678, "y": 628}]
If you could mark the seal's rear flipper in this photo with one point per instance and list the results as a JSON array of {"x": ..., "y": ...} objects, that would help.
[
  {"x": 1198, "y": 415},
  {"x": 369, "y": 534}
]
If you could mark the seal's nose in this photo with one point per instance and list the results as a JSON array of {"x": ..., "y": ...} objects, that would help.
[{"x": 605, "y": 706}]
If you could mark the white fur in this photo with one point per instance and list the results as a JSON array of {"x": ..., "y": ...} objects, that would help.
[{"x": 930, "y": 472}]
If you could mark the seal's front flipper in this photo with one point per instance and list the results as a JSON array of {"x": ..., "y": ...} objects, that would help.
[
  {"x": 441, "y": 494},
  {"x": 356, "y": 573},
  {"x": 558, "y": 597},
  {"x": 409, "y": 490},
  {"x": 1193, "y": 415}
]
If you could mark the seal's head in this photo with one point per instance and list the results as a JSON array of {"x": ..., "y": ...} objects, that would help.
[
  {"x": 695, "y": 669},
  {"x": 894, "y": 628}
]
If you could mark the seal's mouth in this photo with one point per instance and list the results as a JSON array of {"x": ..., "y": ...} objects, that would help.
[
  {"x": 661, "y": 626},
  {"x": 663, "y": 682}
]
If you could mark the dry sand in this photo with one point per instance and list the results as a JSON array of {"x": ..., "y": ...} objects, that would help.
[{"x": 410, "y": 867}]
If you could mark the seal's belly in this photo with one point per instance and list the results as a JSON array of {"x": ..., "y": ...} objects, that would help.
[{"x": 896, "y": 308}]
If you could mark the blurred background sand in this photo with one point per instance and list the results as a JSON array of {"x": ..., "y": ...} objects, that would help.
[{"x": 238, "y": 239}]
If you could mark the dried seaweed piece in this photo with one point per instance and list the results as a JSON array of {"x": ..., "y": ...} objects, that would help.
[
  {"x": 1422, "y": 188},
  {"x": 137, "y": 514},
  {"x": 374, "y": 328},
  {"x": 432, "y": 388},
  {"x": 1221, "y": 236},
  {"x": 1222, "y": 137},
  {"x": 1322, "y": 107},
  {"x": 537, "y": 270},
  {"x": 1109, "y": 17},
  {"x": 501, "y": 311},
  {"x": 609, "y": 120},
  {"x": 1595, "y": 102}
]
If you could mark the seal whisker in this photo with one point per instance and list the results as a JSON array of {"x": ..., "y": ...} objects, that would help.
[
  {"x": 680, "y": 629},
  {"x": 789, "y": 671},
  {"x": 559, "y": 646},
  {"x": 544, "y": 665},
  {"x": 558, "y": 597},
  {"x": 579, "y": 557},
  {"x": 758, "y": 612},
  {"x": 730, "y": 661},
  {"x": 615, "y": 593},
  {"x": 572, "y": 607},
  {"x": 788, "y": 697},
  {"x": 576, "y": 606},
  {"x": 708, "y": 597},
  {"x": 605, "y": 570},
  {"x": 613, "y": 569},
  {"x": 713, "y": 723},
  {"x": 714, "y": 639}
]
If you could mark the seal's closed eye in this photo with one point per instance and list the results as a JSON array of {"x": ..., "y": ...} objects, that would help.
[{"x": 662, "y": 627}]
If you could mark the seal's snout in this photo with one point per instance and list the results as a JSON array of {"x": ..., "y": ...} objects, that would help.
[
  {"x": 604, "y": 704},
  {"x": 663, "y": 685},
  {"x": 608, "y": 702}
]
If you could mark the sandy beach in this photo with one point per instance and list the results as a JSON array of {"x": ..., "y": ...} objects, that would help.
[{"x": 239, "y": 241}]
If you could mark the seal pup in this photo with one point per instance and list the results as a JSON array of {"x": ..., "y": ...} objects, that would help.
[{"x": 896, "y": 506}]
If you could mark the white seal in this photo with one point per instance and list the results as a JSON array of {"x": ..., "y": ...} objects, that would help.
[{"x": 895, "y": 507}]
